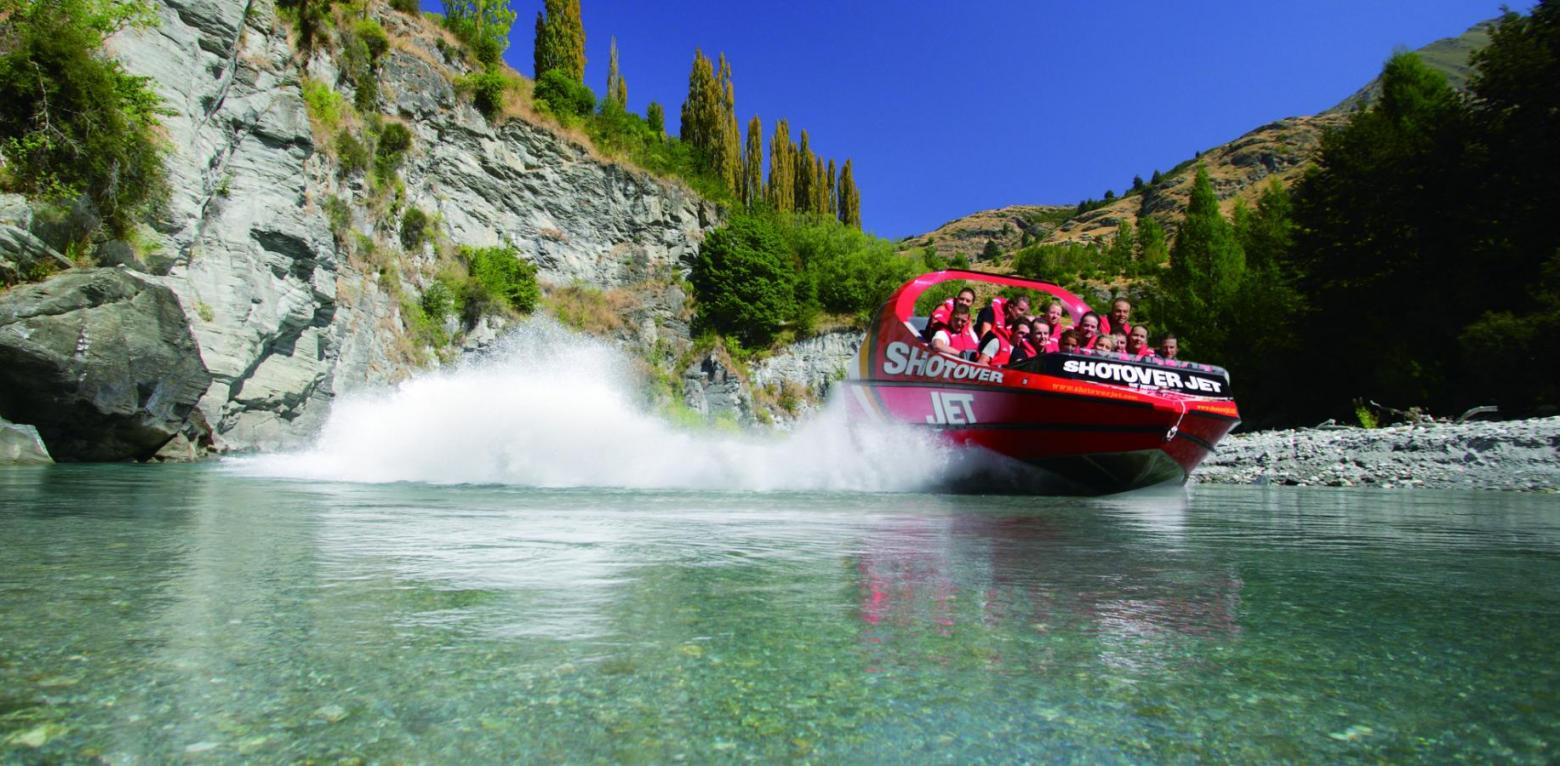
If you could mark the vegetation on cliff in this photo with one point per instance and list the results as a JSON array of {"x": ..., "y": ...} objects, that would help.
[{"x": 73, "y": 124}]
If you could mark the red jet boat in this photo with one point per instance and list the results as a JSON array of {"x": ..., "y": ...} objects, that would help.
[{"x": 1065, "y": 424}]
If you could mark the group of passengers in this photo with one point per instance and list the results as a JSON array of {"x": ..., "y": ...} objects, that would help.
[{"x": 1004, "y": 334}]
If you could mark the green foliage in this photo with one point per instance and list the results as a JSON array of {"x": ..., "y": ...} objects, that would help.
[
  {"x": 311, "y": 18},
  {"x": 414, "y": 229},
  {"x": 844, "y": 270},
  {"x": 340, "y": 217},
  {"x": 564, "y": 95},
  {"x": 72, "y": 122},
  {"x": 560, "y": 40},
  {"x": 373, "y": 37},
  {"x": 1363, "y": 414},
  {"x": 959, "y": 261},
  {"x": 483, "y": 25},
  {"x": 352, "y": 153},
  {"x": 326, "y": 107},
  {"x": 1065, "y": 263},
  {"x": 406, "y": 6},
  {"x": 487, "y": 89},
  {"x": 1207, "y": 266},
  {"x": 991, "y": 251},
  {"x": 390, "y": 150},
  {"x": 499, "y": 279},
  {"x": 655, "y": 116},
  {"x": 440, "y": 301},
  {"x": 745, "y": 281}
]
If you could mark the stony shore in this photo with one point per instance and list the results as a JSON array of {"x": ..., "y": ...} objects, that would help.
[{"x": 1520, "y": 455}]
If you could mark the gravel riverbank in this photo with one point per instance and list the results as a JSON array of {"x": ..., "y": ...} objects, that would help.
[{"x": 1522, "y": 455}]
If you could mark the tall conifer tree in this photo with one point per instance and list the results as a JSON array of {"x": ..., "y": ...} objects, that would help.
[
  {"x": 804, "y": 176},
  {"x": 617, "y": 89},
  {"x": 832, "y": 204},
  {"x": 753, "y": 164},
  {"x": 560, "y": 39},
  {"x": 729, "y": 145},
  {"x": 782, "y": 169},
  {"x": 850, "y": 198}
]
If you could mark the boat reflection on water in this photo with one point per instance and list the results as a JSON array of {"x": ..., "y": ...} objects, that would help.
[{"x": 1107, "y": 578}]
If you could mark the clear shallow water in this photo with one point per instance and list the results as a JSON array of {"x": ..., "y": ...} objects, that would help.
[{"x": 192, "y": 613}]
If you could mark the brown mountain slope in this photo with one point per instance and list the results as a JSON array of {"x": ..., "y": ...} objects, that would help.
[{"x": 1239, "y": 170}]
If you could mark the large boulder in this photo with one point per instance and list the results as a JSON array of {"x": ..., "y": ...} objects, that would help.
[
  {"x": 20, "y": 445},
  {"x": 101, "y": 362}
]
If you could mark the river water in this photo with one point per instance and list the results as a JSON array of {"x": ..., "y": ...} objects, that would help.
[{"x": 428, "y": 586}]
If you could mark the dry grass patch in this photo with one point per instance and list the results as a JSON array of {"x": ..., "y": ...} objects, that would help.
[{"x": 589, "y": 310}]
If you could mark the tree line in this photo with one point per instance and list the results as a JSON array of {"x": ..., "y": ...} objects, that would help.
[{"x": 1417, "y": 264}]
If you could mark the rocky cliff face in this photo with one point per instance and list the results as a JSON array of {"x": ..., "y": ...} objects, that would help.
[{"x": 288, "y": 313}]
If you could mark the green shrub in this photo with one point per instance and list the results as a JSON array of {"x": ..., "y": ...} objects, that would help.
[
  {"x": 375, "y": 41},
  {"x": 390, "y": 151},
  {"x": 482, "y": 25},
  {"x": 439, "y": 301},
  {"x": 326, "y": 106},
  {"x": 352, "y": 154},
  {"x": 414, "y": 228},
  {"x": 406, "y": 6},
  {"x": 745, "y": 281},
  {"x": 499, "y": 279},
  {"x": 487, "y": 90},
  {"x": 72, "y": 122},
  {"x": 849, "y": 271},
  {"x": 340, "y": 217},
  {"x": 564, "y": 95}
]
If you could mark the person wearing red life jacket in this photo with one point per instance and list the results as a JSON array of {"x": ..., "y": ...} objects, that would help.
[
  {"x": 958, "y": 338},
  {"x": 1068, "y": 343},
  {"x": 1001, "y": 313},
  {"x": 1042, "y": 337},
  {"x": 997, "y": 346},
  {"x": 1120, "y": 310},
  {"x": 1137, "y": 343},
  {"x": 939, "y": 319},
  {"x": 1053, "y": 319},
  {"x": 1024, "y": 346},
  {"x": 1088, "y": 330}
]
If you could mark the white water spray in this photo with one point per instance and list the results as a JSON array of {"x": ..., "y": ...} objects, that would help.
[{"x": 557, "y": 409}]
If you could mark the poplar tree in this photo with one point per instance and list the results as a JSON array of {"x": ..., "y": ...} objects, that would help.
[
  {"x": 617, "y": 89},
  {"x": 804, "y": 176},
  {"x": 729, "y": 143},
  {"x": 695, "y": 128},
  {"x": 560, "y": 38},
  {"x": 850, "y": 197},
  {"x": 820, "y": 200},
  {"x": 832, "y": 204},
  {"x": 753, "y": 164},
  {"x": 782, "y": 169}
]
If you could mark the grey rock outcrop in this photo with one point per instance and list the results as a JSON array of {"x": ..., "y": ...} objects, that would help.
[
  {"x": 21, "y": 445},
  {"x": 814, "y": 364},
  {"x": 714, "y": 389},
  {"x": 101, "y": 362},
  {"x": 288, "y": 307}
]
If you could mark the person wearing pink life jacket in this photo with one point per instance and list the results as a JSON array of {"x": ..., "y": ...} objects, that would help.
[
  {"x": 1137, "y": 343},
  {"x": 1120, "y": 311},
  {"x": 958, "y": 338},
  {"x": 1168, "y": 348},
  {"x": 939, "y": 319},
  {"x": 1001, "y": 313},
  {"x": 1088, "y": 330}
]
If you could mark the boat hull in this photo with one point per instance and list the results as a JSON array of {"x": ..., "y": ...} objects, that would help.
[{"x": 1049, "y": 443}]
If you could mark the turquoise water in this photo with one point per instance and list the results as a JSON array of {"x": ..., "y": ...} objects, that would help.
[{"x": 190, "y": 614}]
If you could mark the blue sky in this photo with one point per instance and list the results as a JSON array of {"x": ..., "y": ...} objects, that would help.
[{"x": 950, "y": 108}]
